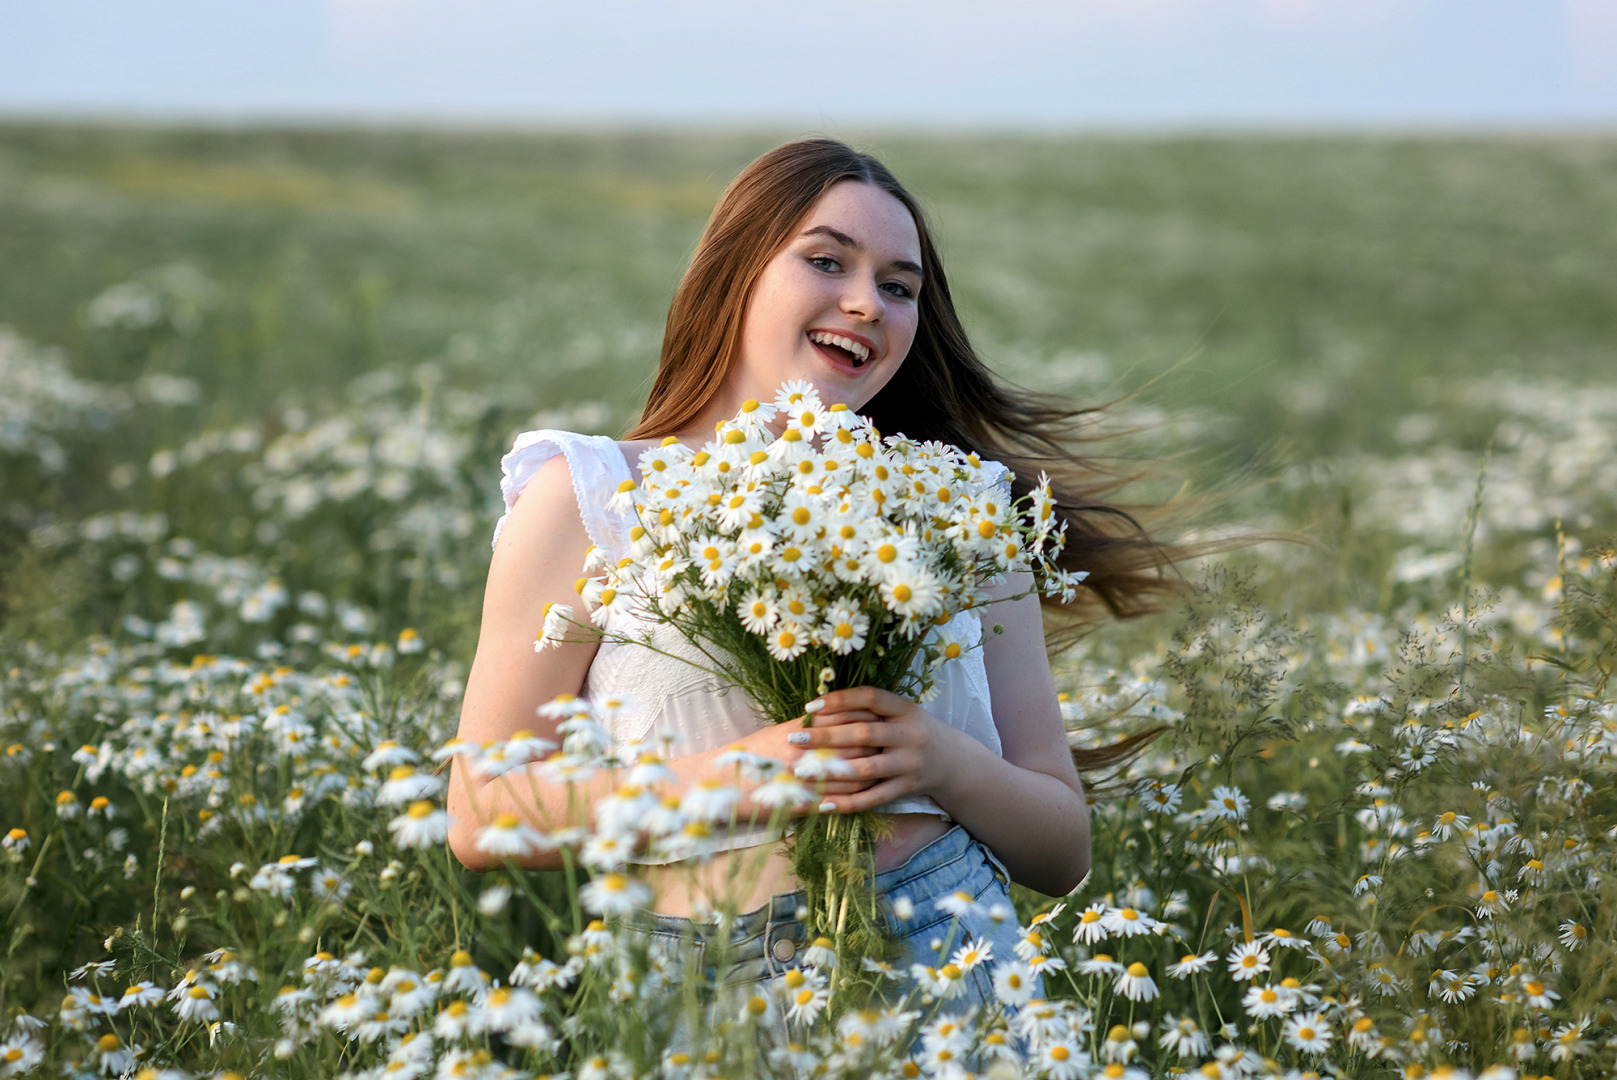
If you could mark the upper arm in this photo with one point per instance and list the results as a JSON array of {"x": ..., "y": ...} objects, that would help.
[
  {"x": 538, "y": 559},
  {"x": 1021, "y": 689}
]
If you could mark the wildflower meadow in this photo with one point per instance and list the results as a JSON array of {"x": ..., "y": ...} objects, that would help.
[{"x": 254, "y": 388}]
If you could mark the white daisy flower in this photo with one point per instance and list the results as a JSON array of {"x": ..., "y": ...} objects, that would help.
[
  {"x": 1452, "y": 986},
  {"x": 1308, "y": 1033},
  {"x": 1263, "y": 1002},
  {"x": 19, "y": 1054},
  {"x": 422, "y": 825},
  {"x": 782, "y": 792},
  {"x": 741, "y": 506},
  {"x": 388, "y": 754},
  {"x": 1118, "y": 1071},
  {"x": 1041, "y": 964},
  {"x": 1163, "y": 798},
  {"x": 825, "y": 763},
  {"x": 821, "y": 953},
  {"x": 508, "y": 836},
  {"x": 710, "y": 800},
  {"x": 1061, "y": 1059},
  {"x": 1100, "y": 964},
  {"x": 972, "y": 953},
  {"x": 1128, "y": 922},
  {"x": 937, "y": 984},
  {"x": 455, "y": 1021},
  {"x": 753, "y": 547},
  {"x": 759, "y": 1009},
  {"x": 614, "y": 894},
  {"x": 1032, "y": 943},
  {"x": 608, "y": 604},
  {"x": 464, "y": 977},
  {"x": 411, "y": 993},
  {"x": 1282, "y": 938},
  {"x": 797, "y": 605},
  {"x": 845, "y": 628},
  {"x": 504, "y": 1008},
  {"x": 404, "y": 784},
  {"x": 558, "y": 618},
  {"x": 1248, "y": 960},
  {"x": 960, "y": 904},
  {"x": 328, "y": 884},
  {"x": 197, "y": 1004},
  {"x": 144, "y": 992},
  {"x": 1183, "y": 1037},
  {"x": 1013, "y": 983},
  {"x": 797, "y": 393},
  {"x": 787, "y": 641},
  {"x": 801, "y": 517},
  {"x": 1227, "y": 803},
  {"x": 1538, "y": 995},
  {"x": 804, "y": 994},
  {"x": 911, "y": 592},
  {"x": 1091, "y": 926},
  {"x": 891, "y": 553},
  {"x": 607, "y": 850},
  {"x": 1135, "y": 983},
  {"x": 1449, "y": 824}
]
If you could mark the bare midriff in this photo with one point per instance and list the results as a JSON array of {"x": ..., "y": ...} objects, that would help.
[{"x": 748, "y": 877}]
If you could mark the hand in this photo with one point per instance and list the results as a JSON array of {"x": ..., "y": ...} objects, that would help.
[
  {"x": 787, "y": 742},
  {"x": 895, "y": 747}
]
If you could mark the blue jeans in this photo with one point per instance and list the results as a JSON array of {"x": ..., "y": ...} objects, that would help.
[{"x": 769, "y": 940}]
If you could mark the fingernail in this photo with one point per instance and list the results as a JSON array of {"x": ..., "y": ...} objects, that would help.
[
  {"x": 814, "y": 706},
  {"x": 828, "y": 807},
  {"x": 798, "y": 738}
]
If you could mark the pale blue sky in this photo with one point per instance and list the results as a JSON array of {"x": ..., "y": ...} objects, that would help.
[{"x": 1015, "y": 63}]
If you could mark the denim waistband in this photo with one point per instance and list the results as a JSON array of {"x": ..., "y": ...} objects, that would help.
[{"x": 773, "y": 931}]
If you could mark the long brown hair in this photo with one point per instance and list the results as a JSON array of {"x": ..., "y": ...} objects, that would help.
[{"x": 942, "y": 391}]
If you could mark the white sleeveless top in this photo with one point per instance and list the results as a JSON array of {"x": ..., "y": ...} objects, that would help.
[{"x": 676, "y": 698}]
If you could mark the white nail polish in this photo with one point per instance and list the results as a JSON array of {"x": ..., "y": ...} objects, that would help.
[
  {"x": 814, "y": 706},
  {"x": 828, "y": 807},
  {"x": 798, "y": 738}
]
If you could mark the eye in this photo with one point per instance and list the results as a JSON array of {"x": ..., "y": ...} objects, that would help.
[
  {"x": 903, "y": 289},
  {"x": 816, "y": 260}
]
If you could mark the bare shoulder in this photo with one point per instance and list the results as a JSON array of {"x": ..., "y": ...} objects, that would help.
[
  {"x": 544, "y": 521},
  {"x": 537, "y": 561}
]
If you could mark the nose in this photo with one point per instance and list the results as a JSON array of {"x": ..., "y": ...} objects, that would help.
[{"x": 863, "y": 299}]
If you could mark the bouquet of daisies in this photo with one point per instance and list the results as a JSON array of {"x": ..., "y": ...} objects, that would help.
[{"x": 825, "y": 556}]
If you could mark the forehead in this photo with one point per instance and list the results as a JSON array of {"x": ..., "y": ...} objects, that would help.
[{"x": 878, "y": 221}]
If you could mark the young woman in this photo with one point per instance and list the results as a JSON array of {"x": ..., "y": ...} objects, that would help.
[{"x": 816, "y": 265}]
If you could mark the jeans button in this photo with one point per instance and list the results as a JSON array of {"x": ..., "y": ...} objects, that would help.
[{"x": 783, "y": 950}]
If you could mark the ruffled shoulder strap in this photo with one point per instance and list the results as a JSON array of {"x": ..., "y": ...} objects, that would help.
[{"x": 597, "y": 466}]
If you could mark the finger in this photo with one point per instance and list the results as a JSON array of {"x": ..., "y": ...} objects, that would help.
[
  {"x": 864, "y": 734},
  {"x": 831, "y": 718},
  {"x": 882, "y": 702},
  {"x": 870, "y": 798},
  {"x": 843, "y": 787},
  {"x": 868, "y": 770}
]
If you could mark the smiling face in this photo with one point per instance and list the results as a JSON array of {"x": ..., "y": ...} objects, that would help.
[{"x": 838, "y": 305}]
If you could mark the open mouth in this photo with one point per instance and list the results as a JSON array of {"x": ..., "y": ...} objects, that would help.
[{"x": 839, "y": 353}]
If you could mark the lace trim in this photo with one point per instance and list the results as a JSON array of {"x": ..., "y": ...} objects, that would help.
[{"x": 593, "y": 462}]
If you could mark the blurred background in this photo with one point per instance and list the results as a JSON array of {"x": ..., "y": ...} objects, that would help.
[{"x": 1330, "y": 252}]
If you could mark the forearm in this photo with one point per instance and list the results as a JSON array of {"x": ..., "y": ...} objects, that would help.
[
  {"x": 541, "y": 802},
  {"x": 1036, "y": 823}
]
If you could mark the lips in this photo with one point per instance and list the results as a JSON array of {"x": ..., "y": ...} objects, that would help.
[{"x": 838, "y": 356}]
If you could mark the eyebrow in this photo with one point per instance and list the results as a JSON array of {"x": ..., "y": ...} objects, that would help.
[{"x": 848, "y": 241}]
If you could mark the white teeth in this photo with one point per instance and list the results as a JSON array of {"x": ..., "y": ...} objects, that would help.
[{"x": 847, "y": 343}]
